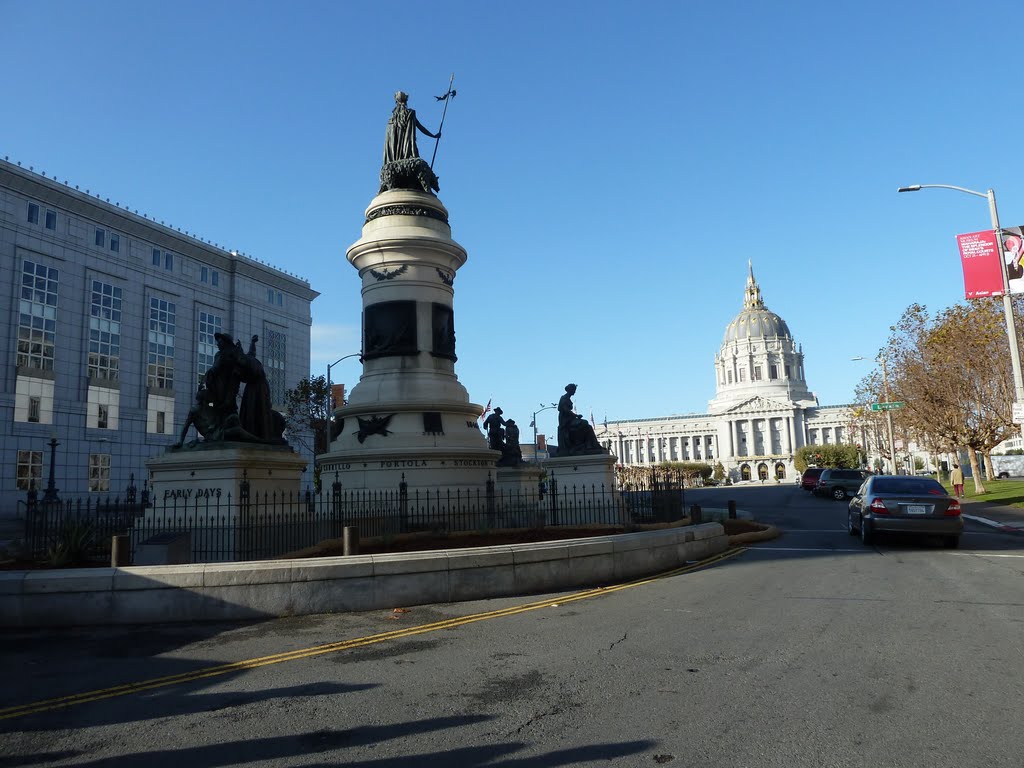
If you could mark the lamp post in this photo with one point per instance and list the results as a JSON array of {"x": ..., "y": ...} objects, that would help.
[
  {"x": 50, "y": 494},
  {"x": 330, "y": 397},
  {"x": 533, "y": 424},
  {"x": 1011, "y": 329},
  {"x": 888, "y": 413}
]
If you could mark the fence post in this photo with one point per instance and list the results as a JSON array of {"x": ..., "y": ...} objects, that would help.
[
  {"x": 335, "y": 507},
  {"x": 403, "y": 505},
  {"x": 732, "y": 509},
  {"x": 696, "y": 516},
  {"x": 489, "y": 491},
  {"x": 243, "y": 520},
  {"x": 120, "y": 551},
  {"x": 350, "y": 540}
]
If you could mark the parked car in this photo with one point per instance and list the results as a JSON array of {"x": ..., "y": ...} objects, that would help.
[
  {"x": 809, "y": 478},
  {"x": 839, "y": 483},
  {"x": 904, "y": 504}
]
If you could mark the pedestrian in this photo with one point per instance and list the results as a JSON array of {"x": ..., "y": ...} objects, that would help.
[{"x": 956, "y": 477}]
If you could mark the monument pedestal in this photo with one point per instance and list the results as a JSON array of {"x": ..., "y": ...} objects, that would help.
[
  {"x": 198, "y": 494},
  {"x": 586, "y": 489},
  {"x": 408, "y": 420}
]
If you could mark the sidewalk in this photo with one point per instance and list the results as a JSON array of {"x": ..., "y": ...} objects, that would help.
[{"x": 1006, "y": 519}]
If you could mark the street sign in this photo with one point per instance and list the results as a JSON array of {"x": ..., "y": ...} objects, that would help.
[
  {"x": 886, "y": 406},
  {"x": 1018, "y": 413}
]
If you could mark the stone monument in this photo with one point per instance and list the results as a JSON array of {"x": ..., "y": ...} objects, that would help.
[{"x": 408, "y": 419}]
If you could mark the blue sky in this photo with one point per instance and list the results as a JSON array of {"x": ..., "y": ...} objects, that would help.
[{"x": 610, "y": 167}]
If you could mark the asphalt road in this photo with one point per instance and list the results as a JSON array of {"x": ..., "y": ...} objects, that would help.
[{"x": 809, "y": 650}]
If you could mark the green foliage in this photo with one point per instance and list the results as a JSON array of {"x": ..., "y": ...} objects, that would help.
[
  {"x": 307, "y": 411},
  {"x": 719, "y": 473},
  {"x": 831, "y": 456},
  {"x": 691, "y": 469},
  {"x": 71, "y": 545}
]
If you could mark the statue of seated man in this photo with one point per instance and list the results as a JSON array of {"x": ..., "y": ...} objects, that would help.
[{"x": 575, "y": 434}]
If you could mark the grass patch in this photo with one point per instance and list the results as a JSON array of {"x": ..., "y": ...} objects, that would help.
[{"x": 1007, "y": 492}]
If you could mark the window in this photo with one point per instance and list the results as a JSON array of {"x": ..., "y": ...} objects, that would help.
[
  {"x": 273, "y": 362},
  {"x": 274, "y": 297},
  {"x": 51, "y": 219},
  {"x": 99, "y": 472},
  {"x": 37, "y": 316},
  {"x": 160, "y": 339},
  {"x": 102, "y": 417},
  {"x": 786, "y": 369},
  {"x": 168, "y": 260},
  {"x": 104, "y": 331},
  {"x": 35, "y": 404},
  {"x": 160, "y": 422},
  {"x": 204, "y": 275},
  {"x": 270, "y": 295},
  {"x": 115, "y": 242},
  {"x": 157, "y": 257},
  {"x": 755, "y": 373},
  {"x": 215, "y": 277},
  {"x": 773, "y": 372},
  {"x": 730, "y": 377},
  {"x": 743, "y": 374},
  {"x": 33, "y": 213},
  {"x": 206, "y": 345},
  {"x": 280, "y": 299},
  {"x": 101, "y": 237},
  {"x": 30, "y": 470}
]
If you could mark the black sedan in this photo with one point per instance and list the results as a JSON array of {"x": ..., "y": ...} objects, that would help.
[{"x": 904, "y": 504}]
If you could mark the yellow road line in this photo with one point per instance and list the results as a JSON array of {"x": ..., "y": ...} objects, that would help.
[{"x": 343, "y": 645}]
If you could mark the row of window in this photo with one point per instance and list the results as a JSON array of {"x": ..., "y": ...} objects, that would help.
[
  {"x": 104, "y": 239},
  {"x": 29, "y": 471},
  {"x": 37, "y": 332},
  {"x": 49, "y": 219},
  {"x": 756, "y": 374}
]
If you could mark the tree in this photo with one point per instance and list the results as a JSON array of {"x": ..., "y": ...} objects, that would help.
[
  {"x": 307, "y": 413},
  {"x": 952, "y": 372},
  {"x": 719, "y": 473},
  {"x": 832, "y": 456}
]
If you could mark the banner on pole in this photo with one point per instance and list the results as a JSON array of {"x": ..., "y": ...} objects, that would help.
[
  {"x": 1013, "y": 253},
  {"x": 979, "y": 257}
]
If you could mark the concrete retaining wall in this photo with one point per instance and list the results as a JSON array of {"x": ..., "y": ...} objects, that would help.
[{"x": 227, "y": 591}]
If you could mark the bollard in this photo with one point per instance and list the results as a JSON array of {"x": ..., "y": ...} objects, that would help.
[
  {"x": 120, "y": 551},
  {"x": 695, "y": 515},
  {"x": 732, "y": 509},
  {"x": 350, "y": 540}
]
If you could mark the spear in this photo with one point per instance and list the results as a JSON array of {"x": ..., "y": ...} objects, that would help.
[{"x": 444, "y": 98}]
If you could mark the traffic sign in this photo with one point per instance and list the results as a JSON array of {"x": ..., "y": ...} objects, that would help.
[
  {"x": 886, "y": 406},
  {"x": 1018, "y": 413}
]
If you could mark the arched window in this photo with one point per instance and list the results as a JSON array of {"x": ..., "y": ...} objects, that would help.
[
  {"x": 745, "y": 472},
  {"x": 780, "y": 471},
  {"x": 762, "y": 471}
]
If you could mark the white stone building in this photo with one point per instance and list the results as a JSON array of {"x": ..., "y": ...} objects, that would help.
[{"x": 762, "y": 412}]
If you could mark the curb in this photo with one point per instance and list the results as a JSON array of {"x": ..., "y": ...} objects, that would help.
[{"x": 1003, "y": 527}]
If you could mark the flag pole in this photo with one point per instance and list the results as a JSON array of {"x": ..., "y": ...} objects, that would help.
[{"x": 443, "y": 113}]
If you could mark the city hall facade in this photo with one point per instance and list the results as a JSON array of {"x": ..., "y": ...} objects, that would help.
[{"x": 762, "y": 412}]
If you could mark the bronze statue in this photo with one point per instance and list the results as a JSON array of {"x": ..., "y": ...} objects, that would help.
[
  {"x": 495, "y": 434},
  {"x": 575, "y": 434},
  {"x": 403, "y": 167},
  {"x": 215, "y": 413},
  {"x": 511, "y": 453}
]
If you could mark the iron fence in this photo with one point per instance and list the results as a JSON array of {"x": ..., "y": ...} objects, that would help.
[{"x": 262, "y": 526}]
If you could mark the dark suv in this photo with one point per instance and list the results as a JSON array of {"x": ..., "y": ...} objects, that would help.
[
  {"x": 839, "y": 483},
  {"x": 809, "y": 478}
]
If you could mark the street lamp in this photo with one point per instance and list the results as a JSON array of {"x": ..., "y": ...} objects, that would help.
[
  {"x": 1011, "y": 329},
  {"x": 51, "y": 489},
  {"x": 534, "y": 424},
  {"x": 330, "y": 397},
  {"x": 888, "y": 413}
]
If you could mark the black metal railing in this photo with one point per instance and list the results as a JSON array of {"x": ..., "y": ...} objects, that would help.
[{"x": 259, "y": 526}]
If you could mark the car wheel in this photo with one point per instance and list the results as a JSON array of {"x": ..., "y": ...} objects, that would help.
[
  {"x": 867, "y": 536},
  {"x": 952, "y": 542},
  {"x": 849, "y": 524},
  {"x": 839, "y": 493}
]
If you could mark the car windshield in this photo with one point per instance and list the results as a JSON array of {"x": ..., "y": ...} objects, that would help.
[{"x": 907, "y": 485}]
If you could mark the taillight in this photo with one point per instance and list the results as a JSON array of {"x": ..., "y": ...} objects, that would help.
[
  {"x": 953, "y": 509},
  {"x": 878, "y": 507}
]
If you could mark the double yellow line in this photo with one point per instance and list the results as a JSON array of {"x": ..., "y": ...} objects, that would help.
[{"x": 343, "y": 645}]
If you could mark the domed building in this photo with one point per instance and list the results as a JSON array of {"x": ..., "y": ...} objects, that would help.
[{"x": 762, "y": 412}]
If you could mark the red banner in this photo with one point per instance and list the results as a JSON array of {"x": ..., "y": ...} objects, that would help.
[
  {"x": 979, "y": 255},
  {"x": 1013, "y": 256}
]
